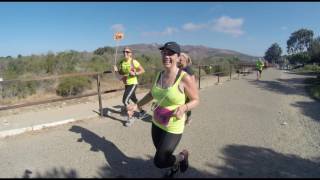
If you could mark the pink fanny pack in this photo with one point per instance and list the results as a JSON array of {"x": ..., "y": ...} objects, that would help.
[{"x": 162, "y": 115}]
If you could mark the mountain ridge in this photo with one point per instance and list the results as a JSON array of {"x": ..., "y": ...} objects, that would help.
[{"x": 195, "y": 51}]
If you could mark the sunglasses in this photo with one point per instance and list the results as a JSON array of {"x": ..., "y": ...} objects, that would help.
[
  {"x": 168, "y": 52},
  {"x": 128, "y": 52}
]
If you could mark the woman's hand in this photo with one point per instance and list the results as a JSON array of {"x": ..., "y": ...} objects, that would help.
[
  {"x": 131, "y": 108},
  {"x": 179, "y": 112},
  {"x": 132, "y": 73}
]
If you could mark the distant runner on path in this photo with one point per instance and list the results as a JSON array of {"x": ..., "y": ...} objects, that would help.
[{"x": 259, "y": 67}]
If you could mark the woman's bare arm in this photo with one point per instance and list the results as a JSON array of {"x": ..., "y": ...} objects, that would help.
[
  {"x": 191, "y": 90},
  {"x": 133, "y": 107}
]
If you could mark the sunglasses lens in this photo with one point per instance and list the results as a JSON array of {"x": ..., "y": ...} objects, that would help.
[{"x": 168, "y": 52}]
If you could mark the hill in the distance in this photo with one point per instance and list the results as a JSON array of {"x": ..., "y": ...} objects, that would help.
[{"x": 196, "y": 52}]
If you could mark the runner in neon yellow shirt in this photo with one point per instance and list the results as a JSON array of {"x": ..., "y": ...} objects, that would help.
[
  {"x": 130, "y": 69},
  {"x": 259, "y": 67},
  {"x": 169, "y": 91}
]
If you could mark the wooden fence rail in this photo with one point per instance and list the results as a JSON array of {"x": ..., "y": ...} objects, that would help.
[{"x": 99, "y": 92}]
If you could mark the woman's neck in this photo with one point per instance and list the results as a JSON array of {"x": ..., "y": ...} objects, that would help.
[
  {"x": 168, "y": 77},
  {"x": 172, "y": 70}
]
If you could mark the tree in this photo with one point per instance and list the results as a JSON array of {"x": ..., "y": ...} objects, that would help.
[
  {"x": 314, "y": 50},
  {"x": 299, "y": 58},
  {"x": 51, "y": 63},
  {"x": 299, "y": 41},
  {"x": 273, "y": 54},
  {"x": 106, "y": 49}
]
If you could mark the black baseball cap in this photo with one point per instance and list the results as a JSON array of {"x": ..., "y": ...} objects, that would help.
[{"x": 173, "y": 46}]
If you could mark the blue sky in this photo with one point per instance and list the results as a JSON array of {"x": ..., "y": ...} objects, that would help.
[{"x": 248, "y": 27}]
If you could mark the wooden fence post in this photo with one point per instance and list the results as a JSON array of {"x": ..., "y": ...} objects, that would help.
[
  {"x": 239, "y": 67},
  {"x": 199, "y": 76},
  {"x": 99, "y": 95},
  {"x": 230, "y": 69}
]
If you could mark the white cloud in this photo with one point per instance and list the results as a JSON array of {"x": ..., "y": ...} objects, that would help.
[
  {"x": 193, "y": 27},
  {"x": 284, "y": 28},
  {"x": 117, "y": 27},
  {"x": 223, "y": 24},
  {"x": 167, "y": 32},
  {"x": 228, "y": 25}
]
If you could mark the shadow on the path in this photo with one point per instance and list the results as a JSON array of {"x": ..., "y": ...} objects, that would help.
[
  {"x": 53, "y": 173},
  {"x": 310, "y": 74},
  {"x": 292, "y": 86},
  {"x": 240, "y": 161},
  {"x": 280, "y": 86},
  {"x": 119, "y": 164},
  {"x": 249, "y": 161},
  {"x": 310, "y": 109}
]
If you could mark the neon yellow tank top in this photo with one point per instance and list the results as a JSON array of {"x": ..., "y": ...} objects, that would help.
[
  {"x": 170, "y": 99},
  {"x": 126, "y": 66},
  {"x": 259, "y": 65}
]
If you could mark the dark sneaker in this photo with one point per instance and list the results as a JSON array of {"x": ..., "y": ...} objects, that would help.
[
  {"x": 184, "y": 164},
  {"x": 172, "y": 172},
  {"x": 142, "y": 114},
  {"x": 129, "y": 122}
]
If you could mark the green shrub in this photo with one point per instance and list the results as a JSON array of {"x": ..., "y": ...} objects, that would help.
[
  {"x": 315, "y": 91},
  {"x": 311, "y": 68},
  {"x": 313, "y": 87},
  {"x": 308, "y": 69},
  {"x": 97, "y": 64},
  {"x": 73, "y": 86},
  {"x": 18, "y": 89}
]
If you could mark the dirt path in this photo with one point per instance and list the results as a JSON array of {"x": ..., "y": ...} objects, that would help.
[
  {"x": 243, "y": 128},
  {"x": 266, "y": 128}
]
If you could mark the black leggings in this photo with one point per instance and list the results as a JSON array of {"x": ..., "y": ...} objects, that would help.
[
  {"x": 165, "y": 143},
  {"x": 260, "y": 71},
  {"x": 129, "y": 93}
]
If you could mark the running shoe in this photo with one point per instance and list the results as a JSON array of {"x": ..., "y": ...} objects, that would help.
[
  {"x": 129, "y": 122},
  {"x": 184, "y": 164},
  {"x": 142, "y": 114}
]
